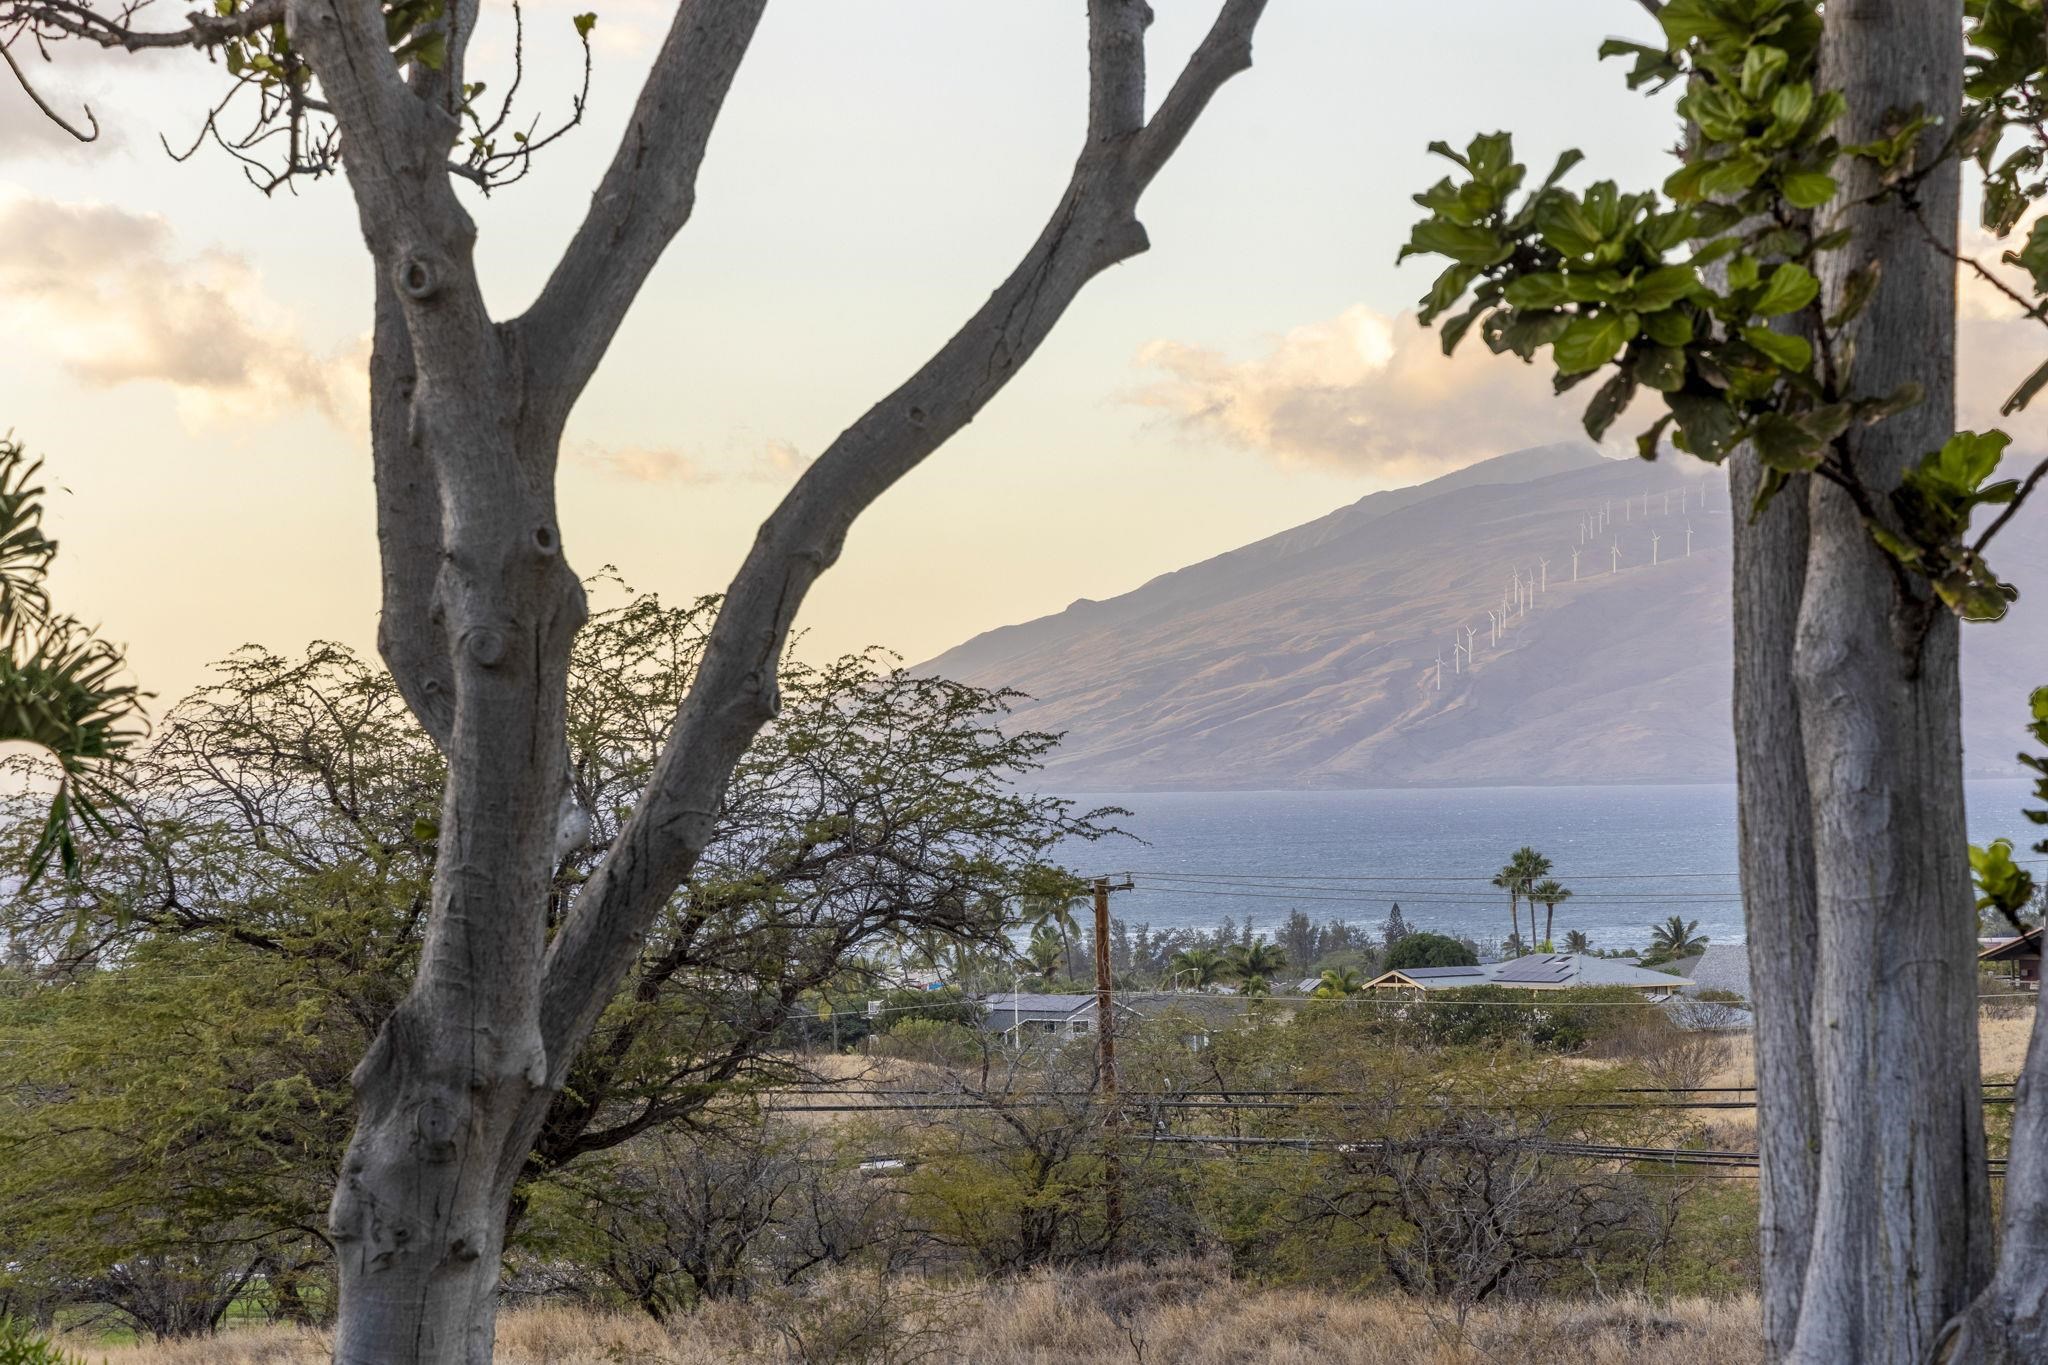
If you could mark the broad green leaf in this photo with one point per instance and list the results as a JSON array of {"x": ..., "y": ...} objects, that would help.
[
  {"x": 1790, "y": 288},
  {"x": 1542, "y": 290},
  {"x": 1672, "y": 327},
  {"x": 1807, "y": 189},
  {"x": 1590, "y": 342},
  {"x": 1660, "y": 367},
  {"x": 1790, "y": 352}
]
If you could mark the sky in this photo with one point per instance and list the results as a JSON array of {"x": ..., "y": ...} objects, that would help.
[{"x": 188, "y": 355}]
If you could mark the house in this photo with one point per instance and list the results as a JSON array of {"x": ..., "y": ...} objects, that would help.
[
  {"x": 1026, "y": 1017},
  {"x": 1537, "y": 972},
  {"x": 2020, "y": 958},
  {"x": 1722, "y": 967}
]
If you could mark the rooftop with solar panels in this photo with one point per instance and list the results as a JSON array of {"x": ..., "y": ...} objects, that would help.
[{"x": 1536, "y": 972}]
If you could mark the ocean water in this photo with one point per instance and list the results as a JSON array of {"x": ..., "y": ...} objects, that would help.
[{"x": 1634, "y": 856}]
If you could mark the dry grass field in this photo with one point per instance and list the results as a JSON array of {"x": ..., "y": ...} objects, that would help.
[{"x": 1162, "y": 1316}]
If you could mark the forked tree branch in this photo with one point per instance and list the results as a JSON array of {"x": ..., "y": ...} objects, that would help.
[
  {"x": 734, "y": 693},
  {"x": 643, "y": 201}
]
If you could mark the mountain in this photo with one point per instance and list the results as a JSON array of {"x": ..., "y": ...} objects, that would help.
[{"x": 1308, "y": 659}]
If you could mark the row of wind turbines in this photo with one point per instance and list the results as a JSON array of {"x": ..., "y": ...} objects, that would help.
[{"x": 1522, "y": 590}]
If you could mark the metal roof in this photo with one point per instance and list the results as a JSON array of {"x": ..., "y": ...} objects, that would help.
[
  {"x": 1540, "y": 970},
  {"x": 1543, "y": 971}
]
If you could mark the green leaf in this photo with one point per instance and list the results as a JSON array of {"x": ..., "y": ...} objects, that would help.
[
  {"x": 1807, "y": 189},
  {"x": 1476, "y": 245},
  {"x": 1672, "y": 327},
  {"x": 1542, "y": 290},
  {"x": 1783, "y": 443},
  {"x": 584, "y": 23},
  {"x": 1707, "y": 427},
  {"x": 1790, "y": 288},
  {"x": 1590, "y": 342},
  {"x": 1663, "y": 287},
  {"x": 1790, "y": 352},
  {"x": 1608, "y": 402},
  {"x": 1660, "y": 367}
]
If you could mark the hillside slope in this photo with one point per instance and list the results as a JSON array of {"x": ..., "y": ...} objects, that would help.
[{"x": 1308, "y": 659}]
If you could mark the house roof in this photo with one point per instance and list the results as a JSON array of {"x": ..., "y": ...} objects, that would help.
[
  {"x": 2026, "y": 945},
  {"x": 1722, "y": 967},
  {"x": 1007, "y": 1009},
  {"x": 1537, "y": 972}
]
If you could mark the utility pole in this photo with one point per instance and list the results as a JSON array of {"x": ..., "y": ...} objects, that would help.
[{"x": 1105, "y": 1055}]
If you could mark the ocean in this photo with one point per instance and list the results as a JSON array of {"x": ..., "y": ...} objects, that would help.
[{"x": 1634, "y": 856}]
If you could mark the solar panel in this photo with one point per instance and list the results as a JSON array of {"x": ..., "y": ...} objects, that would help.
[
  {"x": 1418, "y": 973},
  {"x": 1537, "y": 971}
]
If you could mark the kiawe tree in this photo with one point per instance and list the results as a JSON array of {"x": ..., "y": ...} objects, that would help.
[
  {"x": 480, "y": 605},
  {"x": 1789, "y": 303}
]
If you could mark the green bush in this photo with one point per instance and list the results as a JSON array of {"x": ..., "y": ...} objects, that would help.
[
  {"x": 22, "y": 1344},
  {"x": 1429, "y": 950}
]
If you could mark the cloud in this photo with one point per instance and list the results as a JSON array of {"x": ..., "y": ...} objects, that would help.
[
  {"x": 113, "y": 299},
  {"x": 1360, "y": 392},
  {"x": 771, "y": 462}
]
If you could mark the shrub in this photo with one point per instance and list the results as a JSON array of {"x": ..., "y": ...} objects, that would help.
[
  {"x": 21, "y": 1344},
  {"x": 1429, "y": 950}
]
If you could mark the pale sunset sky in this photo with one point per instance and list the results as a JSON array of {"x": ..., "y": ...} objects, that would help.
[{"x": 188, "y": 355}]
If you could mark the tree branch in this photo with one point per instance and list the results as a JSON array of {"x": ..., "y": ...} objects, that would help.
[
  {"x": 1224, "y": 51},
  {"x": 643, "y": 201},
  {"x": 51, "y": 114},
  {"x": 82, "y": 21},
  {"x": 734, "y": 692}
]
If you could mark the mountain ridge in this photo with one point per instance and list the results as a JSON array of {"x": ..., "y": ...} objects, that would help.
[{"x": 1307, "y": 658}]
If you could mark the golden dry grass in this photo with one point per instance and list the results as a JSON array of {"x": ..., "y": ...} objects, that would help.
[{"x": 1183, "y": 1315}]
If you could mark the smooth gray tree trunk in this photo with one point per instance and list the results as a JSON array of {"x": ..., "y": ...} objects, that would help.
[
  {"x": 480, "y": 606},
  {"x": 1776, "y": 853},
  {"x": 1900, "y": 1224}
]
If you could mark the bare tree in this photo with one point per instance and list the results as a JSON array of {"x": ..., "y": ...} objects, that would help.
[{"x": 480, "y": 606}]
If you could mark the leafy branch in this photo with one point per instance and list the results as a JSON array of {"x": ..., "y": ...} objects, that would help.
[
  {"x": 1708, "y": 295},
  {"x": 60, "y": 686}
]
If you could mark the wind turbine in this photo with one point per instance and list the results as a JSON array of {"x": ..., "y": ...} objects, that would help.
[
  {"x": 1688, "y": 539},
  {"x": 1492, "y": 629},
  {"x": 1615, "y": 567},
  {"x": 1470, "y": 636},
  {"x": 1667, "y": 504},
  {"x": 1575, "y": 566},
  {"x": 1458, "y": 652},
  {"x": 1544, "y": 566},
  {"x": 1439, "y": 670},
  {"x": 1653, "y": 548}
]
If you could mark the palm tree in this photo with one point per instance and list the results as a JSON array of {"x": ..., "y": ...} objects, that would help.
[
  {"x": 1577, "y": 942},
  {"x": 1257, "y": 985},
  {"x": 1547, "y": 893},
  {"x": 1205, "y": 965},
  {"x": 1676, "y": 938},
  {"x": 1337, "y": 983},
  {"x": 1055, "y": 913},
  {"x": 1249, "y": 960},
  {"x": 1045, "y": 951},
  {"x": 1524, "y": 866}
]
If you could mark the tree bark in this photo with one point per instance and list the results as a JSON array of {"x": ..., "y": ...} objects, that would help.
[
  {"x": 481, "y": 607},
  {"x": 1776, "y": 855},
  {"x": 1900, "y": 1230}
]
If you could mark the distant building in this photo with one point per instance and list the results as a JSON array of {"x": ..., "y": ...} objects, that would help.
[
  {"x": 1022, "y": 1018},
  {"x": 2019, "y": 957},
  {"x": 1537, "y": 972},
  {"x": 1722, "y": 967}
]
